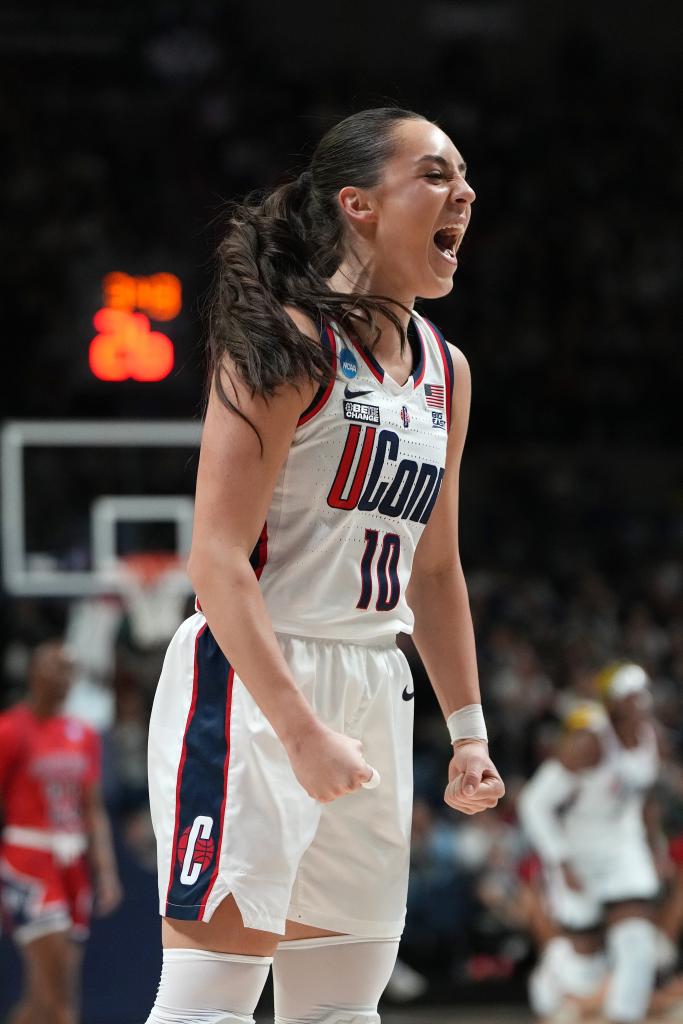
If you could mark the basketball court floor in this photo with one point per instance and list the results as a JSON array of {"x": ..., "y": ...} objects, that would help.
[
  {"x": 460, "y": 1015},
  {"x": 452, "y": 1015}
]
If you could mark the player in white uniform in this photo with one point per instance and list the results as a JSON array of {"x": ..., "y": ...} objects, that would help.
[
  {"x": 584, "y": 813},
  {"x": 326, "y": 523}
]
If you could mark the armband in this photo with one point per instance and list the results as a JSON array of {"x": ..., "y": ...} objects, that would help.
[{"x": 467, "y": 724}]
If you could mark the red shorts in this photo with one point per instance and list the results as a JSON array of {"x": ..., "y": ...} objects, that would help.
[
  {"x": 676, "y": 849},
  {"x": 38, "y": 895}
]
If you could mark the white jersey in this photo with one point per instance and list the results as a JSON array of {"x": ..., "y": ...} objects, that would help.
[
  {"x": 589, "y": 817},
  {"x": 360, "y": 481},
  {"x": 593, "y": 820},
  {"x": 607, "y": 809}
]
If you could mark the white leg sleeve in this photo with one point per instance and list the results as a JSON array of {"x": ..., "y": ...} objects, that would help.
[
  {"x": 331, "y": 980},
  {"x": 584, "y": 973},
  {"x": 200, "y": 987},
  {"x": 632, "y": 950}
]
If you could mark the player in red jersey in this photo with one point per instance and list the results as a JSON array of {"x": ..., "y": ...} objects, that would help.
[{"x": 55, "y": 831}]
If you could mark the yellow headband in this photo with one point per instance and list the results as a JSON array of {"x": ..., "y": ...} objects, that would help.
[
  {"x": 620, "y": 680},
  {"x": 586, "y": 715}
]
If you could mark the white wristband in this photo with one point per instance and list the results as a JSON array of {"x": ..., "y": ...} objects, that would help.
[{"x": 467, "y": 724}]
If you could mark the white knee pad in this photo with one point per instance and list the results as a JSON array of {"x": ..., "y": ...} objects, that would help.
[
  {"x": 336, "y": 979},
  {"x": 200, "y": 987},
  {"x": 546, "y": 990},
  {"x": 584, "y": 972},
  {"x": 632, "y": 951},
  {"x": 561, "y": 972}
]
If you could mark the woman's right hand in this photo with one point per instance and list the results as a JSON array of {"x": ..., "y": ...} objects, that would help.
[{"x": 326, "y": 763}]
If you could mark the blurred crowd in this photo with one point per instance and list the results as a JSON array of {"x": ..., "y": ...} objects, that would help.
[{"x": 475, "y": 902}]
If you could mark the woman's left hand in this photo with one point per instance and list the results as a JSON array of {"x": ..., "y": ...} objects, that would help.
[
  {"x": 474, "y": 783},
  {"x": 108, "y": 894}
]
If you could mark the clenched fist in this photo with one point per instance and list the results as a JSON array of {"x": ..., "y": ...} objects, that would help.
[{"x": 474, "y": 783}]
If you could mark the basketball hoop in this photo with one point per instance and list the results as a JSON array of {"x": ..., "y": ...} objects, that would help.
[
  {"x": 154, "y": 588},
  {"x": 149, "y": 568}
]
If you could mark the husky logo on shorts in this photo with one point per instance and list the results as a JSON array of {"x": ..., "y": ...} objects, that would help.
[{"x": 195, "y": 849}]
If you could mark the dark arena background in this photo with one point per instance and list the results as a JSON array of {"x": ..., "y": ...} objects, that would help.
[{"x": 125, "y": 129}]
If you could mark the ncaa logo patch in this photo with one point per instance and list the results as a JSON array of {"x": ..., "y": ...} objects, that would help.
[
  {"x": 405, "y": 416},
  {"x": 348, "y": 363}
]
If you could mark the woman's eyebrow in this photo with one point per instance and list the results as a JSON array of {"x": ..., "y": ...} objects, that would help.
[{"x": 446, "y": 164}]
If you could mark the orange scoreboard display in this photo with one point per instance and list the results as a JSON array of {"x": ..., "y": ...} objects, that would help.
[{"x": 125, "y": 346}]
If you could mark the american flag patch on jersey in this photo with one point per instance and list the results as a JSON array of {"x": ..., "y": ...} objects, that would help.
[{"x": 435, "y": 395}]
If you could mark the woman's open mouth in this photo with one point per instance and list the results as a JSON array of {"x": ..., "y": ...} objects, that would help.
[{"x": 447, "y": 241}]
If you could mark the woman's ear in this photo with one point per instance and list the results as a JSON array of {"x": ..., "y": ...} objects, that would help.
[{"x": 357, "y": 206}]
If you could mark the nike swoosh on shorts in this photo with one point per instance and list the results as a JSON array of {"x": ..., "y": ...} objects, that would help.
[{"x": 406, "y": 695}]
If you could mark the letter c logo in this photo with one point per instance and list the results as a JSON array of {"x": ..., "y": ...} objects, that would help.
[{"x": 201, "y": 830}]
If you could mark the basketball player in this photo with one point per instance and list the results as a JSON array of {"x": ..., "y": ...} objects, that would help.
[
  {"x": 55, "y": 830},
  {"x": 326, "y": 522},
  {"x": 583, "y": 811}
]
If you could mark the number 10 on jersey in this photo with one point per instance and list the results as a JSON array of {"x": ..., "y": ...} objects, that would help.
[{"x": 388, "y": 584}]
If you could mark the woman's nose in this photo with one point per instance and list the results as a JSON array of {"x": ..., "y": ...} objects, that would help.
[{"x": 463, "y": 192}]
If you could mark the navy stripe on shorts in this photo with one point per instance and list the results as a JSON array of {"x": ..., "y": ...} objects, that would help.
[{"x": 202, "y": 783}]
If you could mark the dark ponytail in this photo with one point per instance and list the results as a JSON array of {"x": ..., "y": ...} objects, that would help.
[{"x": 282, "y": 250}]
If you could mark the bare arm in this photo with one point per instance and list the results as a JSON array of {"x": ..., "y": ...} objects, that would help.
[
  {"x": 108, "y": 892},
  {"x": 235, "y": 484},
  {"x": 443, "y": 632},
  {"x": 437, "y": 594},
  {"x": 538, "y": 804},
  {"x": 656, "y": 838},
  {"x": 234, "y": 488}
]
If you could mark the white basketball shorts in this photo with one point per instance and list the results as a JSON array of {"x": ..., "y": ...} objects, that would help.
[
  {"x": 229, "y": 815},
  {"x": 627, "y": 872}
]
